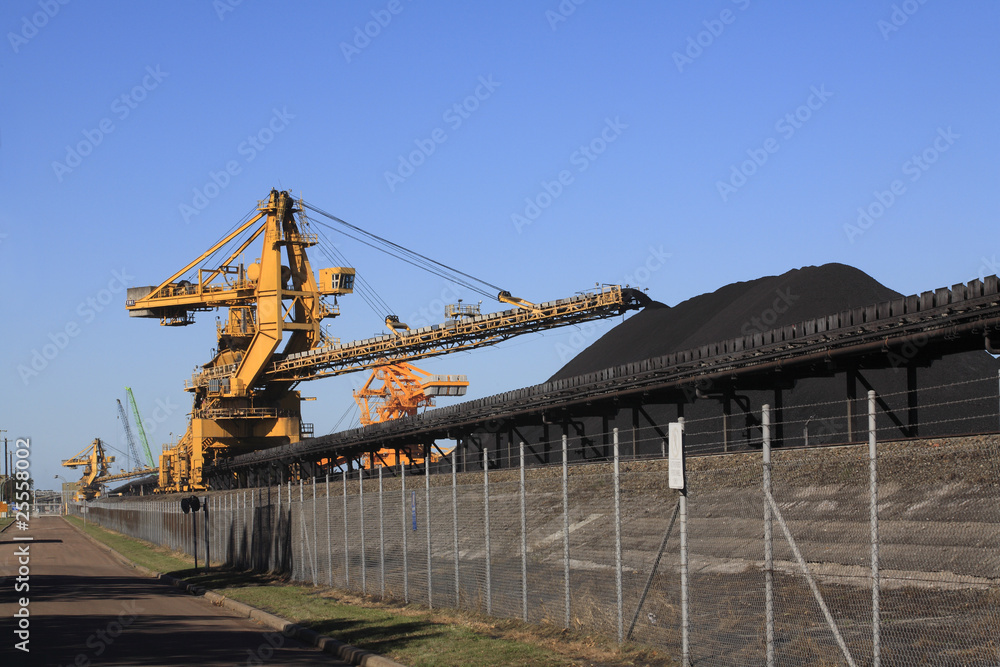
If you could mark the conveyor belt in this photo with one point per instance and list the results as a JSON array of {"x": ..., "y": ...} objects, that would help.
[{"x": 965, "y": 311}]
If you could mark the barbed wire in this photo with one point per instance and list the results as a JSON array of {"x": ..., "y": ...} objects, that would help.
[
  {"x": 941, "y": 421},
  {"x": 989, "y": 378},
  {"x": 711, "y": 435}
]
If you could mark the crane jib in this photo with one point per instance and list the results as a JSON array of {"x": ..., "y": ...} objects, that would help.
[{"x": 271, "y": 336}]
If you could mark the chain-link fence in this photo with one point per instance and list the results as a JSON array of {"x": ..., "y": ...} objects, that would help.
[{"x": 866, "y": 554}]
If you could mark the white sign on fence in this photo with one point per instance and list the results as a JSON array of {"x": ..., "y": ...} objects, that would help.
[{"x": 675, "y": 455}]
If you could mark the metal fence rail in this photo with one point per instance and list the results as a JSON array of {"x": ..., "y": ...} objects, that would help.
[{"x": 886, "y": 553}]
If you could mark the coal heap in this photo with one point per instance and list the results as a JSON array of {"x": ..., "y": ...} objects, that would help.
[
  {"x": 732, "y": 311},
  {"x": 946, "y": 394}
]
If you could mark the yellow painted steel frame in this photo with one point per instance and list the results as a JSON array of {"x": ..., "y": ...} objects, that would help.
[
  {"x": 400, "y": 393},
  {"x": 239, "y": 408},
  {"x": 95, "y": 466},
  {"x": 244, "y": 398},
  {"x": 454, "y": 336}
]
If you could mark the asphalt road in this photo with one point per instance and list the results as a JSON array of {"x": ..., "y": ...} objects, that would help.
[{"x": 86, "y": 608}]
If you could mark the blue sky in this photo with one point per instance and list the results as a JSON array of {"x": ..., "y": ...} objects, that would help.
[{"x": 698, "y": 145}]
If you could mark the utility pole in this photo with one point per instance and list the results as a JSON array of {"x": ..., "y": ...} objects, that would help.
[{"x": 6, "y": 468}]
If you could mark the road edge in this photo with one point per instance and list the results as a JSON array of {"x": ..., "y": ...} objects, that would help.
[{"x": 335, "y": 647}]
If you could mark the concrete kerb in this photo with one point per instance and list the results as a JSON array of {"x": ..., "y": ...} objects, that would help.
[{"x": 339, "y": 649}]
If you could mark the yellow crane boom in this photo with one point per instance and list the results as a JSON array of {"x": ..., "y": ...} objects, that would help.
[
  {"x": 244, "y": 397},
  {"x": 455, "y": 335},
  {"x": 95, "y": 464}
]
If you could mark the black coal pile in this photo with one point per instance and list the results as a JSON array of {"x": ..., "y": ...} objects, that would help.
[
  {"x": 953, "y": 393},
  {"x": 735, "y": 310}
]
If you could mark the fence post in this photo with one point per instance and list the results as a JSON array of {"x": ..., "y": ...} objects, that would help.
[
  {"x": 347, "y": 553},
  {"x": 524, "y": 544},
  {"x": 765, "y": 422},
  {"x": 290, "y": 509},
  {"x": 565, "y": 499},
  {"x": 194, "y": 537},
  {"x": 273, "y": 547},
  {"x": 361, "y": 521},
  {"x": 245, "y": 527},
  {"x": 236, "y": 531},
  {"x": 427, "y": 520},
  {"x": 329, "y": 536},
  {"x": 406, "y": 572},
  {"x": 486, "y": 524},
  {"x": 618, "y": 542},
  {"x": 208, "y": 543},
  {"x": 381, "y": 535},
  {"x": 302, "y": 521},
  {"x": 249, "y": 494},
  {"x": 454, "y": 518},
  {"x": 315, "y": 520},
  {"x": 873, "y": 494},
  {"x": 685, "y": 614}
]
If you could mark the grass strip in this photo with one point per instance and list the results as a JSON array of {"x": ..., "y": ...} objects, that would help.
[
  {"x": 144, "y": 553},
  {"x": 6, "y": 522},
  {"x": 409, "y": 634}
]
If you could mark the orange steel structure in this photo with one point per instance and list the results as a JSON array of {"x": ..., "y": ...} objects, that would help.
[{"x": 244, "y": 397}]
